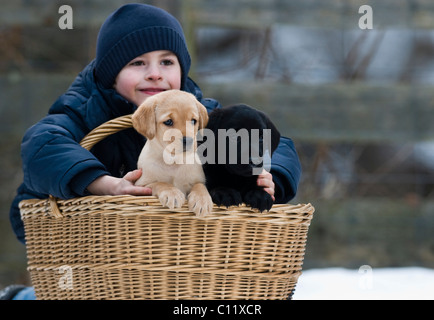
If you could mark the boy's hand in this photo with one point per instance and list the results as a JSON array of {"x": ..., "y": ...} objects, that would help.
[
  {"x": 265, "y": 180},
  {"x": 111, "y": 186}
]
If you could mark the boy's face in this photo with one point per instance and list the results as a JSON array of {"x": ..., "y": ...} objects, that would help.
[{"x": 148, "y": 74}]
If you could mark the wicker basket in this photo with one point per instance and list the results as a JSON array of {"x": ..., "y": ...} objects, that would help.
[{"x": 130, "y": 247}]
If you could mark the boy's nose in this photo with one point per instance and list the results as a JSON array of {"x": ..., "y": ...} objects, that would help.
[{"x": 153, "y": 73}]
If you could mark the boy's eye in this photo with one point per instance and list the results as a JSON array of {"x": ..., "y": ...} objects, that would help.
[
  {"x": 168, "y": 123},
  {"x": 137, "y": 63},
  {"x": 166, "y": 62}
]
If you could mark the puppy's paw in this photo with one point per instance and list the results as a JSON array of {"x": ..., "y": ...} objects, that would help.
[
  {"x": 200, "y": 203},
  {"x": 226, "y": 197},
  {"x": 172, "y": 198},
  {"x": 258, "y": 199}
]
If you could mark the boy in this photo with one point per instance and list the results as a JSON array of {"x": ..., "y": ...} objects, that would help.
[{"x": 141, "y": 50}]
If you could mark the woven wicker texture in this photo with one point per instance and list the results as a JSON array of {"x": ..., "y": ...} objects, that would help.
[{"x": 130, "y": 247}]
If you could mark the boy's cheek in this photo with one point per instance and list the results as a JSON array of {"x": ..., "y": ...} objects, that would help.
[
  {"x": 175, "y": 82},
  {"x": 127, "y": 91}
]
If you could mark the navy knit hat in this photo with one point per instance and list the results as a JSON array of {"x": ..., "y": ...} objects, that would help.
[{"x": 135, "y": 29}]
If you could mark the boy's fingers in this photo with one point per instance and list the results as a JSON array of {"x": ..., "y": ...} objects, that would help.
[
  {"x": 133, "y": 190},
  {"x": 141, "y": 191},
  {"x": 133, "y": 176},
  {"x": 265, "y": 180}
]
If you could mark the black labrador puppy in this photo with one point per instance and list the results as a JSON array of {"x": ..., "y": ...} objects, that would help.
[{"x": 239, "y": 143}]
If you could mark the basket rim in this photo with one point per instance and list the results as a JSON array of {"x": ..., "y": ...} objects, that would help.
[{"x": 150, "y": 205}]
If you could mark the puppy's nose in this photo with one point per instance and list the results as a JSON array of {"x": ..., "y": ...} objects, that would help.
[{"x": 187, "y": 142}]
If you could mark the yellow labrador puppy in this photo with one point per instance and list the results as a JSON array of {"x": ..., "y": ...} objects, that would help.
[{"x": 170, "y": 166}]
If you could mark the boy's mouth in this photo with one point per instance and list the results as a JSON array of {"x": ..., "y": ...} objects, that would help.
[{"x": 151, "y": 91}]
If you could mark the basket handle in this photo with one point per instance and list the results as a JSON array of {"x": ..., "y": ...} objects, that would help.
[
  {"x": 106, "y": 129},
  {"x": 91, "y": 139}
]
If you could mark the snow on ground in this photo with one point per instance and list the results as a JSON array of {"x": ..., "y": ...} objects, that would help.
[{"x": 366, "y": 283}]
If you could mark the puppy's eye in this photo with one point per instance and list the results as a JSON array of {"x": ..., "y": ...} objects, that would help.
[
  {"x": 168, "y": 123},
  {"x": 193, "y": 121}
]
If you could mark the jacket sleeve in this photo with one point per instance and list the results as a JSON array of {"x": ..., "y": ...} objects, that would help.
[
  {"x": 286, "y": 170},
  {"x": 53, "y": 160}
]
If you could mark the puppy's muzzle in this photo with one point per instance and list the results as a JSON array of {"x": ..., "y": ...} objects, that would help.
[{"x": 187, "y": 143}]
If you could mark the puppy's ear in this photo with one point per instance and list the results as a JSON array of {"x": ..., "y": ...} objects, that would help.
[
  {"x": 144, "y": 120},
  {"x": 203, "y": 115},
  {"x": 275, "y": 134},
  {"x": 214, "y": 119}
]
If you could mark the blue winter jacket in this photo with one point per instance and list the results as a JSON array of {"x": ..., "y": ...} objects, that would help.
[{"x": 54, "y": 162}]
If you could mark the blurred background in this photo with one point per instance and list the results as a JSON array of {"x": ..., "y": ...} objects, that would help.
[{"x": 358, "y": 104}]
